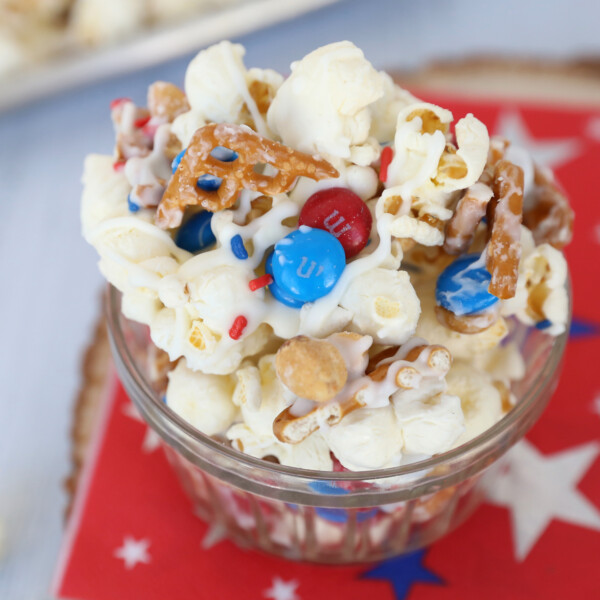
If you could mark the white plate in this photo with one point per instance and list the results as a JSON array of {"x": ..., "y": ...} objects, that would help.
[{"x": 147, "y": 49}]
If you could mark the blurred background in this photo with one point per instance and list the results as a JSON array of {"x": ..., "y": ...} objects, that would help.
[{"x": 57, "y": 77}]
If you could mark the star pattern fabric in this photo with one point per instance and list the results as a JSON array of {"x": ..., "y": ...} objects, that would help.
[
  {"x": 134, "y": 534},
  {"x": 550, "y": 153},
  {"x": 581, "y": 328},
  {"x": 403, "y": 573},
  {"x": 133, "y": 552},
  {"x": 151, "y": 439},
  {"x": 282, "y": 590},
  {"x": 538, "y": 489}
]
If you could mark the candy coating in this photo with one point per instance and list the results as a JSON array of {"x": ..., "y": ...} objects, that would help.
[
  {"x": 462, "y": 288},
  {"x": 343, "y": 214},
  {"x": 196, "y": 234}
]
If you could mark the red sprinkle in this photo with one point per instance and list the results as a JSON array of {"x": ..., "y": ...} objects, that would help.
[
  {"x": 238, "y": 327},
  {"x": 141, "y": 122},
  {"x": 119, "y": 165},
  {"x": 118, "y": 101},
  {"x": 386, "y": 158},
  {"x": 260, "y": 282}
]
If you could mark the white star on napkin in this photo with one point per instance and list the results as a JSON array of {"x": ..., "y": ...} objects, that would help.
[
  {"x": 151, "y": 438},
  {"x": 539, "y": 488},
  {"x": 282, "y": 590},
  {"x": 133, "y": 552},
  {"x": 550, "y": 153}
]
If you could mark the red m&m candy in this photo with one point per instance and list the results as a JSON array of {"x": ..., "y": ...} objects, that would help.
[{"x": 343, "y": 214}]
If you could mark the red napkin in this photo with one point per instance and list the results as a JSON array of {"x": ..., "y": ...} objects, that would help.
[{"x": 133, "y": 535}]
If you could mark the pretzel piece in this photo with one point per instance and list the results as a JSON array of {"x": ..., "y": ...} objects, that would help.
[
  {"x": 460, "y": 229},
  {"x": 252, "y": 150},
  {"x": 505, "y": 213},
  {"x": 549, "y": 215},
  {"x": 292, "y": 429},
  {"x": 437, "y": 358},
  {"x": 468, "y": 324},
  {"x": 166, "y": 101}
]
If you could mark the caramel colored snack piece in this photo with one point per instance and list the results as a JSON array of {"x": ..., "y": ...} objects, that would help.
[
  {"x": 311, "y": 369},
  {"x": 471, "y": 208},
  {"x": 293, "y": 430},
  {"x": 548, "y": 215},
  {"x": 468, "y": 324},
  {"x": 437, "y": 357},
  {"x": 504, "y": 247},
  {"x": 167, "y": 101},
  {"x": 236, "y": 175}
]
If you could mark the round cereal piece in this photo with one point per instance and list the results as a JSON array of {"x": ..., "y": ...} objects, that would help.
[{"x": 312, "y": 369}]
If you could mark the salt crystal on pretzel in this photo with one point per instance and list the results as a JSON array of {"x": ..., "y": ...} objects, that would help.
[
  {"x": 504, "y": 219},
  {"x": 547, "y": 212},
  {"x": 429, "y": 360},
  {"x": 166, "y": 101},
  {"x": 460, "y": 229},
  {"x": 252, "y": 149}
]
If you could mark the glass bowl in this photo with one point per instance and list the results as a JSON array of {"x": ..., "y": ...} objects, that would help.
[{"x": 331, "y": 517}]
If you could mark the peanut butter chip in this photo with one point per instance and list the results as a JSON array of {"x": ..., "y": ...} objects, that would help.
[{"x": 311, "y": 369}]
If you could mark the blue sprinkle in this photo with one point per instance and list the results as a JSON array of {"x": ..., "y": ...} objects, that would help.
[
  {"x": 133, "y": 207},
  {"x": 224, "y": 154},
  {"x": 543, "y": 324},
  {"x": 368, "y": 242},
  {"x": 177, "y": 160},
  {"x": 209, "y": 183},
  {"x": 238, "y": 248},
  {"x": 164, "y": 399}
]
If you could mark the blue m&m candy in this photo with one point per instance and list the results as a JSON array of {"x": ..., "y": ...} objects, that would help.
[
  {"x": 305, "y": 266},
  {"x": 195, "y": 234},
  {"x": 462, "y": 288}
]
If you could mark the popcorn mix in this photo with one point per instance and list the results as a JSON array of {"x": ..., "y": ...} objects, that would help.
[{"x": 333, "y": 266}]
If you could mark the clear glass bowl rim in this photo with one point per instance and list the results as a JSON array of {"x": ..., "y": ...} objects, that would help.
[{"x": 480, "y": 446}]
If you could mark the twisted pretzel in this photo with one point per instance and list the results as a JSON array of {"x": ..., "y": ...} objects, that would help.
[
  {"x": 292, "y": 429},
  {"x": 252, "y": 150},
  {"x": 460, "y": 229},
  {"x": 166, "y": 101},
  {"x": 505, "y": 212},
  {"x": 549, "y": 215}
]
